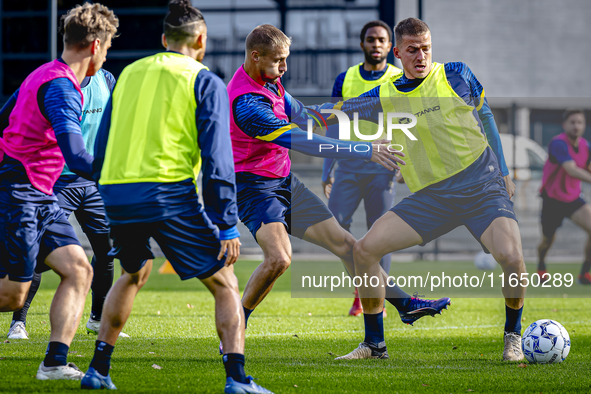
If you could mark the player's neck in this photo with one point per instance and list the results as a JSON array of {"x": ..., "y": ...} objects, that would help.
[
  {"x": 375, "y": 67},
  {"x": 252, "y": 72},
  {"x": 573, "y": 141},
  {"x": 78, "y": 62},
  {"x": 183, "y": 50}
]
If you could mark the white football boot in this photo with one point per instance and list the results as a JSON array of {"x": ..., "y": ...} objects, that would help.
[
  {"x": 18, "y": 331},
  {"x": 93, "y": 326},
  {"x": 61, "y": 372},
  {"x": 367, "y": 350},
  {"x": 512, "y": 350}
]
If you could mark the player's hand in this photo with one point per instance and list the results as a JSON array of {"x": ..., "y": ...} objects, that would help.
[
  {"x": 230, "y": 248},
  {"x": 509, "y": 185},
  {"x": 384, "y": 155},
  {"x": 327, "y": 186}
]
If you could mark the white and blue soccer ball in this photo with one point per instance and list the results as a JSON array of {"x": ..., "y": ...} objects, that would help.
[
  {"x": 545, "y": 342},
  {"x": 484, "y": 261}
]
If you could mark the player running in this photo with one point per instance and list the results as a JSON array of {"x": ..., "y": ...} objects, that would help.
[
  {"x": 79, "y": 195},
  {"x": 272, "y": 202},
  {"x": 356, "y": 180},
  {"x": 169, "y": 114},
  {"x": 456, "y": 171},
  {"x": 43, "y": 134},
  {"x": 568, "y": 164}
]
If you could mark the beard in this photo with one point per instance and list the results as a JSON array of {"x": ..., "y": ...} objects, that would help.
[
  {"x": 373, "y": 61},
  {"x": 266, "y": 78}
]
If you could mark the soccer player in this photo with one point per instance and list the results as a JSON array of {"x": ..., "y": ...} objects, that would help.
[
  {"x": 43, "y": 133},
  {"x": 456, "y": 171},
  {"x": 356, "y": 180},
  {"x": 77, "y": 194},
  {"x": 568, "y": 164},
  {"x": 168, "y": 114},
  {"x": 272, "y": 202}
]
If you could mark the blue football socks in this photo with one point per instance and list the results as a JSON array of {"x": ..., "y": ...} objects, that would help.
[
  {"x": 513, "y": 319},
  {"x": 374, "y": 328}
]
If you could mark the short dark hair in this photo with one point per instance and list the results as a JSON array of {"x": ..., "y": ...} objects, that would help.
[
  {"x": 264, "y": 38},
  {"x": 371, "y": 24},
  {"x": 571, "y": 111},
  {"x": 181, "y": 20},
  {"x": 410, "y": 27},
  {"x": 83, "y": 24}
]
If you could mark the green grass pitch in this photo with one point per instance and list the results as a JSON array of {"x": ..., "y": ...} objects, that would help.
[{"x": 291, "y": 345}]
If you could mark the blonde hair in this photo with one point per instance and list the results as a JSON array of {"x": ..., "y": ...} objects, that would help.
[
  {"x": 85, "y": 23},
  {"x": 264, "y": 38}
]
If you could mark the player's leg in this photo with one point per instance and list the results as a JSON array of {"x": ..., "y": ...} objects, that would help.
[
  {"x": 274, "y": 241},
  {"x": 346, "y": 198},
  {"x": 503, "y": 240},
  {"x": 543, "y": 249},
  {"x": 553, "y": 213},
  {"x": 116, "y": 311},
  {"x": 342, "y": 204},
  {"x": 378, "y": 198},
  {"x": 195, "y": 255},
  {"x": 19, "y": 317},
  {"x": 131, "y": 246},
  {"x": 263, "y": 207},
  {"x": 12, "y": 293},
  {"x": 487, "y": 211},
  {"x": 417, "y": 219},
  {"x": 119, "y": 302},
  {"x": 41, "y": 232},
  {"x": 71, "y": 264},
  {"x": 17, "y": 254},
  {"x": 18, "y": 326},
  {"x": 229, "y": 319},
  {"x": 229, "y": 316},
  {"x": 582, "y": 217},
  {"x": 93, "y": 219},
  {"x": 367, "y": 253},
  {"x": 12, "y": 298}
]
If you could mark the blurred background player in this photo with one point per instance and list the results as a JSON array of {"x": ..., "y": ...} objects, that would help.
[
  {"x": 568, "y": 164},
  {"x": 147, "y": 164},
  {"x": 43, "y": 134},
  {"x": 454, "y": 175},
  {"x": 272, "y": 202},
  {"x": 356, "y": 180},
  {"x": 77, "y": 194}
]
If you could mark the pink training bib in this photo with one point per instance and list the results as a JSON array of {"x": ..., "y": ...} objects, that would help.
[
  {"x": 555, "y": 180},
  {"x": 29, "y": 137},
  {"x": 250, "y": 154}
]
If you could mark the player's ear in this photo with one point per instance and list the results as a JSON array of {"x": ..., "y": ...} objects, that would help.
[
  {"x": 164, "y": 43},
  {"x": 201, "y": 41},
  {"x": 361, "y": 45},
  {"x": 396, "y": 52},
  {"x": 94, "y": 46},
  {"x": 254, "y": 55}
]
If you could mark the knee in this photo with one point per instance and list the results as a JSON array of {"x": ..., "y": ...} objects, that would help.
[
  {"x": 12, "y": 302},
  {"x": 343, "y": 248},
  {"x": 15, "y": 303},
  {"x": 138, "y": 279},
  {"x": 361, "y": 255},
  {"x": 279, "y": 263},
  {"x": 82, "y": 271},
  {"x": 511, "y": 260}
]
